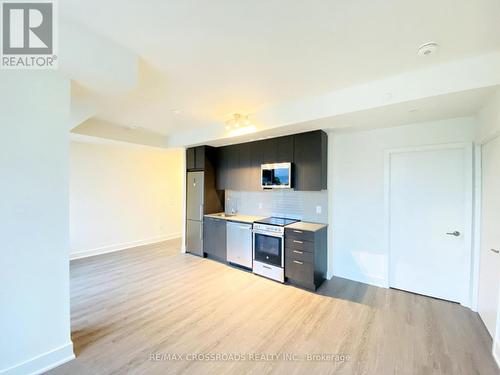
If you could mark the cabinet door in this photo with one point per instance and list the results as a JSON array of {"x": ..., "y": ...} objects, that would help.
[
  {"x": 233, "y": 162},
  {"x": 310, "y": 161},
  {"x": 284, "y": 149},
  {"x": 200, "y": 157},
  {"x": 269, "y": 148},
  {"x": 208, "y": 235},
  {"x": 214, "y": 238},
  {"x": 244, "y": 172},
  {"x": 190, "y": 158},
  {"x": 220, "y": 250},
  {"x": 256, "y": 157},
  {"x": 222, "y": 172}
]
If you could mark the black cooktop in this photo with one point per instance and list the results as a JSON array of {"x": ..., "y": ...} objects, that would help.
[{"x": 278, "y": 221}]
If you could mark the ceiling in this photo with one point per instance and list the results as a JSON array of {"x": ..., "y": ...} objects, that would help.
[
  {"x": 209, "y": 59},
  {"x": 455, "y": 105}
]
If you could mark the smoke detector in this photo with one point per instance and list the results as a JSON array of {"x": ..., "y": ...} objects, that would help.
[{"x": 428, "y": 49}]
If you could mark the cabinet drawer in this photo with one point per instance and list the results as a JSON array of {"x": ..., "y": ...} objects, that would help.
[
  {"x": 297, "y": 234},
  {"x": 295, "y": 244},
  {"x": 299, "y": 272},
  {"x": 303, "y": 256}
]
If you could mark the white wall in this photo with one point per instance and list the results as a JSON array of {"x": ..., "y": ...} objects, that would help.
[
  {"x": 356, "y": 168},
  {"x": 489, "y": 119},
  {"x": 122, "y": 196},
  {"x": 489, "y": 128},
  {"x": 34, "y": 259}
]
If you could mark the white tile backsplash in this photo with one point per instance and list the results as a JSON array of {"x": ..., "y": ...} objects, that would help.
[{"x": 282, "y": 203}]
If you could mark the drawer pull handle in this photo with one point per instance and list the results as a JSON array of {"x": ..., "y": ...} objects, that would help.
[
  {"x": 298, "y": 252},
  {"x": 297, "y": 241},
  {"x": 267, "y": 267},
  {"x": 296, "y": 261},
  {"x": 495, "y": 251},
  {"x": 298, "y": 231}
]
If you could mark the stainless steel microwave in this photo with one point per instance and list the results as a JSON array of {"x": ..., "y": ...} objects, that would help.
[{"x": 276, "y": 176}]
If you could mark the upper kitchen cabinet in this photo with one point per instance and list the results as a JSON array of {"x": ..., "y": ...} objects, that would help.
[
  {"x": 244, "y": 176},
  {"x": 195, "y": 158},
  {"x": 284, "y": 149},
  {"x": 233, "y": 168},
  {"x": 310, "y": 161},
  {"x": 222, "y": 181},
  {"x": 190, "y": 159},
  {"x": 239, "y": 165},
  {"x": 276, "y": 150}
]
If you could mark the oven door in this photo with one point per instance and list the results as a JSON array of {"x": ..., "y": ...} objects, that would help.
[{"x": 268, "y": 248}]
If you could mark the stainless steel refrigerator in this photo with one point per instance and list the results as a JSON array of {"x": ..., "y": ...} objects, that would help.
[{"x": 194, "y": 212}]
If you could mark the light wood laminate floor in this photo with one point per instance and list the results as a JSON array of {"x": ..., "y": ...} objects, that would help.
[{"x": 127, "y": 306}]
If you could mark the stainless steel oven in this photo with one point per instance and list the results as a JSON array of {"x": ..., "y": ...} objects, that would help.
[{"x": 269, "y": 251}]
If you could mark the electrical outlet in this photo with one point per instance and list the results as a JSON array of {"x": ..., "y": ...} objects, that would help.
[
  {"x": 318, "y": 210},
  {"x": 260, "y": 205}
]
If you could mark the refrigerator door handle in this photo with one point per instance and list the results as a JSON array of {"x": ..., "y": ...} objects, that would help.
[{"x": 201, "y": 212}]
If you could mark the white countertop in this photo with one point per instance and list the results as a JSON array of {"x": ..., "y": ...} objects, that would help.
[
  {"x": 238, "y": 217},
  {"x": 304, "y": 225}
]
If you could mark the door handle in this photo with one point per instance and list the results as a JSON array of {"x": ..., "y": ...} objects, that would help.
[
  {"x": 495, "y": 251},
  {"x": 455, "y": 233}
]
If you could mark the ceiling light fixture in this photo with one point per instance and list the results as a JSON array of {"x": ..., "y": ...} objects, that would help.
[
  {"x": 239, "y": 125},
  {"x": 238, "y": 121},
  {"x": 428, "y": 49}
]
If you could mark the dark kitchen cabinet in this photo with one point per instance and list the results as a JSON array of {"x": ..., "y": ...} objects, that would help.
[
  {"x": 199, "y": 153},
  {"x": 214, "y": 238},
  {"x": 239, "y": 166},
  {"x": 243, "y": 177},
  {"x": 190, "y": 159},
  {"x": 256, "y": 160},
  {"x": 195, "y": 158},
  {"x": 276, "y": 150},
  {"x": 310, "y": 161},
  {"x": 233, "y": 166},
  {"x": 269, "y": 150},
  {"x": 222, "y": 169},
  {"x": 306, "y": 257},
  {"x": 284, "y": 149}
]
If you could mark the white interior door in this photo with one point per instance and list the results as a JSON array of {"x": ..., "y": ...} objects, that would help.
[
  {"x": 429, "y": 200},
  {"x": 489, "y": 267}
]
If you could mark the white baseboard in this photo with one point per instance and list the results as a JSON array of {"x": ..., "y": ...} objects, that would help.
[
  {"x": 43, "y": 362},
  {"x": 121, "y": 246},
  {"x": 365, "y": 279}
]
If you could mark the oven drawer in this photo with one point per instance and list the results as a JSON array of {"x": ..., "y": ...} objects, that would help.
[
  {"x": 300, "y": 273},
  {"x": 302, "y": 235},
  {"x": 300, "y": 255},
  {"x": 295, "y": 244}
]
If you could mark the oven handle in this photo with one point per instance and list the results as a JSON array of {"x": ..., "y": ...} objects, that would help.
[{"x": 264, "y": 233}]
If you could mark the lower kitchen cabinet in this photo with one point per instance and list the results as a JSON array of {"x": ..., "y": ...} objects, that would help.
[
  {"x": 214, "y": 238},
  {"x": 306, "y": 257}
]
